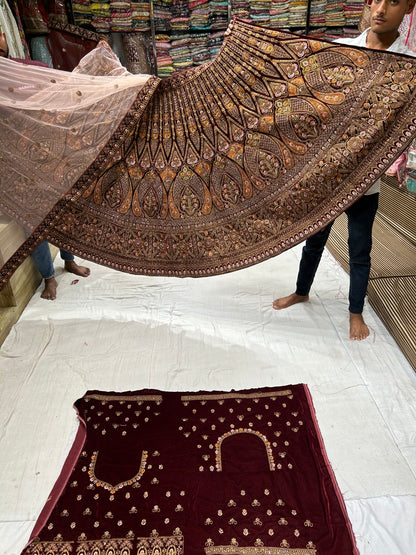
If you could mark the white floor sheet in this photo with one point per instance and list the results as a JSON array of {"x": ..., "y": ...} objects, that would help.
[{"x": 117, "y": 332}]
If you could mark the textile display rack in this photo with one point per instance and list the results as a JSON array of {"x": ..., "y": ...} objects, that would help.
[{"x": 191, "y": 32}]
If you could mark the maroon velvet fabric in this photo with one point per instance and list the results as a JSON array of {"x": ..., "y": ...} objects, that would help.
[
  {"x": 68, "y": 44},
  {"x": 195, "y": 473}
]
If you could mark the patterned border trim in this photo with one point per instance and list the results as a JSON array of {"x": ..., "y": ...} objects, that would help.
[
  {"x": 231, "y": 550},
  {"x": 99, "y": 397},
  {"x": 218, "y": 461},
  {"x": 107, "y": 485},
  {"x": 214, "y": 397},
  {"x": 173, "y": 544},
  {"x": 74, "y": 30}
]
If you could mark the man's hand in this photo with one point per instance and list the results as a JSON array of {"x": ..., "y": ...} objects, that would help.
[{"x": 4, "y": 49}]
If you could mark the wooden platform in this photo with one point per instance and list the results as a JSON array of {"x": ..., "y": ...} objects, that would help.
[{"x": 24, "y": 282}]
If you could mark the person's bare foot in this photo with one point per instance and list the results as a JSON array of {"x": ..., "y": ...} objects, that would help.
[
  {"x": 285, "y": 302},
  {"x": 358, "y": 328},
  {"x": 49, "y": 292},
  {"x": 72, "y": 267}
]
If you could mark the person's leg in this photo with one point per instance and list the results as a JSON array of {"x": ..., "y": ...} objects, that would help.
[
  {"x": 71, "y": 266},
  {"x": 360, "y": 224},
  {"x": 65, "y": 255},
  {"x": 43, "y": 262},
  {"x": 311, "y": 256}
]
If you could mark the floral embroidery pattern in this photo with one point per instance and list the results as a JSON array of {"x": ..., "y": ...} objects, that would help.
[
  {"x": 240, "y": 159},
  {"x": 172, "y": 545}
]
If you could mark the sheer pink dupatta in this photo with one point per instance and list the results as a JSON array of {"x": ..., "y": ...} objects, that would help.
[{"x": 53, "y": 124}]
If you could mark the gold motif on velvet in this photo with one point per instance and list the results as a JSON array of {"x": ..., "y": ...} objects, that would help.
[
  {"x": 233, "y": 432},
  {"x": 261, "y": 550},
  {"x": 241, "y": 158},
  {"x": 221, "y": 397},
  {"x": 153, "y": 545},
  {"x": 242, "y": 506},
  {"x": 138, "y": 398},
  {"x": 112, "y": 489}
]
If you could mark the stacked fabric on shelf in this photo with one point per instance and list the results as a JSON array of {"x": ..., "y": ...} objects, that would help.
[
  {"x": 194, "y": 42},
  {"x": 219, "y": 14},
  {"x": 318, "y": 32},
  {"x": 185, "y": 50},
  {"x": 334, "y": 13},
  {"x": 260, "y": 11},
  {"x": 180, "y": 15},
  {"x": 297, "y": 13},
  {"x": 163, "y": 60},
  {"x": 180, "y": 39},
  {"x": 180, "y": 55},
  {"x": 180, "y": 8},
  {"x": 162, "y": 15},
  {"x": 199, "y": 13},
  {"x": 179, "y": 23},
  {"x": 214, "y": 43},
  {"x": 350, "y": 32},
  {"x": 120, "y": 16},
  {"x": 279, "y": 13},
  {"x": 200, "y": 50},
  {"x": 101, "y": 16},
  {"x": 240, "y": 8},
  {"x": 140, "y": 16},
  {"x": 352, "y": 12},
  {"x": 317, "y": 13},
  {"x": 81, "y": 11}
]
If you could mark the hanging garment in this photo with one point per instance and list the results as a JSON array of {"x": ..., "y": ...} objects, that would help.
[
  {"x": 68, "y": 44},
  {"x": 8, "y": 25},
  {"x": 34, "y": 17},
  {"x": 212, "y": 170}
]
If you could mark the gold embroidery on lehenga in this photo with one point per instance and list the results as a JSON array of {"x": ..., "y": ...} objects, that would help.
[
  {"x": 253, "y": 516},
  {"x": 234, "y": 432},
  {"x": 259, "y": 549},
  {"x": 222, "y": 396},
  {"x": 153, "y": 544},
  {"x": 110, "y": 487},
  {"x": 121, "y": 398}
]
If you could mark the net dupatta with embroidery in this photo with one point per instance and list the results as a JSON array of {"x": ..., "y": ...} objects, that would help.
[
  {"x": 212, "y": 170},
  {"x": 53, "y": 125}
]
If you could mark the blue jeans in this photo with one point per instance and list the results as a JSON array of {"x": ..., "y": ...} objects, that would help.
[
  {"x": 43, "y": 259},
  {"x": 360, "y": 224}
]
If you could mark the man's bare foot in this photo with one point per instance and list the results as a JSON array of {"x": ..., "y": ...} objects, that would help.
[
  {"x": 358, "y": 328},
  {"x": 72, "y": 267},
  {"x": 285, "y": 302},
  {"x": 49, "y": 292}
]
